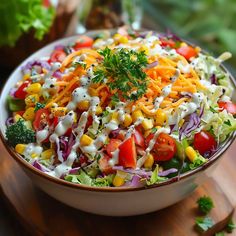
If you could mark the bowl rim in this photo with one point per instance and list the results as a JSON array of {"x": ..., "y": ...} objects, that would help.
[{"x": 218, "y": 154}]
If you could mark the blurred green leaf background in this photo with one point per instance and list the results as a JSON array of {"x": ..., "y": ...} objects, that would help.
[{"x": 210, "y": 23}]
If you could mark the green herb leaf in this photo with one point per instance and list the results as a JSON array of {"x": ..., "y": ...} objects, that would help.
[
  {"x": 122, "y": 69},
  {"x": 203, "y": 224},
  {"x": 155, "y": 178},
  {"x": 212, "y": 110},
  {"x": 230, "y": 226},
  {"x": 38, "y": 106},
  {"x": 205, "y": 204}
]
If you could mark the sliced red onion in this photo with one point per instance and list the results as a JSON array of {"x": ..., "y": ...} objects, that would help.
[
  {"x": 40, "y": 167},
  {"x": 71, "y": 142},
  {"x": 59, "y": 47},
  {"x": 213, "y": 79},
  {"x": 139, "y": 172},
  {"x": 151, "y": 65},
  {"x": 9, "y": 121},
  {"x": 74, "y": 170},
  {"x": 135, "y": 182},
  {"x": 170, "y": 35},
  {"x": 42, "y": 64},
  {"x": 114, "y": 133},
  {"x": 57, "y": 74},
  {"x": 12, "y": 92},
  {"x": 167, "y": 172}
]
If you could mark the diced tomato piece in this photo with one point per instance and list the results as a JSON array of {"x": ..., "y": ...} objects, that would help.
[
  {"x": 89, "y": 123},
  {"x": 20, "y": 92},
  {"x": 18, "y": 113},
  {"x": 127, "y": 153},
  {"x": 41, "y": 119},
  {"x": 83, "y": 42},
  {"x": 104, "y": 165},
  {"x": 112, "y": 146},
  {"x": 204, "y": 142},
  {"x": 187, "y": 52},
  {"x": 138, "y": 138},
  {"x": 165, "y": 147},
  {"x": 167, "y": 42},
  {"x": 228, "y": 106},
  {"x": 46, "y": 3},
  {"x": 58, "y": 55}
]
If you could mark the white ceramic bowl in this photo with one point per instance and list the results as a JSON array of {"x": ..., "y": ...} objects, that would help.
[{"x": 107, "y": 201}]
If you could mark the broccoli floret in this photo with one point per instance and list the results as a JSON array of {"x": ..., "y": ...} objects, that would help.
[{"x": 19, "y": 133}]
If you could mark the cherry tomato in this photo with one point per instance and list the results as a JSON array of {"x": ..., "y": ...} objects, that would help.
[
  {"x": 228, "y": 106},
  {"x": 104, "y": 165},
  {"x": 165, "y": 147},
  {"x": 41, "y": 119},
  {"x": 187, "y": 52},
  {"x": 46, "y": 3},
  {"x": 138, "y": 138},
  {"x": 83, "y": 42},
  {"x": 204, "y": 142},
  {"x": 58, "y": 55},
  {"x": 127, "y": 153},
  {"x": 112, "y": 146},
  {"x": 167, "y": 42},
  {"x": 20, "y": 92}
]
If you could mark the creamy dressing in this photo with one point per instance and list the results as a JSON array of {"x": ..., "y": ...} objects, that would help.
[
  {"x": 32, "y": 151},
  {"x": 42, "y": 135}
]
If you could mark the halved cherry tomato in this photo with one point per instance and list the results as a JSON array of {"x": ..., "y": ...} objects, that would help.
[
  {"x": 58, "y": 55},
  {"x": 138, "y": 138},
  {"x": 104, "y": 165},
  {"x": 228, "y": 106},
  {"x": 127, "y": 153},
  {"x": 204, "y": 142},
  {"x": 89, "y": 123},
  {"x": 165, "y": 147},
  {"x": 46, "y": 3},
  {"x": 167, "y": 42},
  {"x": 41, "y": 119},
  {"x": 112, "y": 146},
  {"x": 20, "y": 92},
  {"x": 83, "y": 42},
  {"x": 187, "y": 52}
]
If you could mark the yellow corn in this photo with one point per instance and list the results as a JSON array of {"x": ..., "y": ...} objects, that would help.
[
  {"x": 99, "y": 110},
  {"x": 31, "y": 100},
  {"x": 33, "y": 88},
  {"x": 59, "y": 111},
  {"x": 127, "y": 120},
  {"x": 20, "y": 148},
  {"x": 83, "y": 105},
  {"x": 34, "y": 155},
  {"x": 29, "y": 114},
  {"x": 149, "y": 161},
  {"x": 119, "y": 178},
  {"x": 181, "y": 122},
  {"x": 145, "y": 49},
  {"x": 47, "y": 154},
  {"x": 85, "y": 140},
  {"x": 114, "y": 116},
  {"x": 136, "y": 115},
  {"x": 17, "y": 117},
  {"x": 120, "y": 38},
  {"x": 92, "y": 92},
  {"x": 190, "y": 153},
  {"x": 161, "y": 117},
  {"x": 147, "y": 132},
  {"x": 147, "y": 124}
]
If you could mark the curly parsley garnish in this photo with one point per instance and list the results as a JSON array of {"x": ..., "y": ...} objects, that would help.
[
  {"x": 122, "y": 69},
  {"x": 205, "y": 204}
]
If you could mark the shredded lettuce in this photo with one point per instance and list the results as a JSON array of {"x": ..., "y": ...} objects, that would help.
[
  {"x": 19, "y": 16},
  {"x": 155, "y": 178}
]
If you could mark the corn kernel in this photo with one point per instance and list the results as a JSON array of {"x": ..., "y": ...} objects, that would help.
[
  {"x": 33, "y": 88},
  {"x": 145, "y": 49},
  {"x": 47, "y": 154},
  {"x": 17, "y": 117},
  {"x": 191, "y": 153},
  {"x": 147, "y": 132},
  {"x": 20, "y": 148},
  {"x": 120, "y": 38},
  {"x": 127, "y": 120},
  {"x": 149, "y": 161},
  {"x": 183, "y": 44},
  {"x": 99, "y": 110},
  {"x": 181, "y": 122},
  {"x": 92, "y": 92},
  {"x": 26, "y": 76},
  {"x": 147, "y": 124},
  {"x": 83, "y": 105},
  {"x": 119, "y": 178},
  {"x": 31, "y": 100},
  {"x": 136, "y": 115},
  {"x": 59, "y": 111},
  {"x": 34, "y": 155},
  {"x": 29, "y": 114},
  {"x": 114, "y": 116},
  {"x": 160, "y": 118},
  {"x": 85, "y": 140}
]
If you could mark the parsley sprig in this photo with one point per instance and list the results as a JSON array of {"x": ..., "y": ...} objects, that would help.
[
  {"x": 122, "y": 69},
  {"x": 205, "y": 204}
]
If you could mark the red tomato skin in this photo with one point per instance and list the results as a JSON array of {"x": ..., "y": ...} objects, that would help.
[
  {"x": 112, "y": 146},
  {"x": 186, "y": 51},
  {"x": 165, "y": 147},
  {"x": 228, "y": 106},
  {"x": 127, "y": 153},
  {"x": 20, "y": 93},
  {"x": 41, "y": 116},
  {"x": 58, "y": 55},
  {"x": 104, "y": 165},
  {"x": 83, "y": 42},
  {"x": 204, "y": 142},
  {"x": 167, "y": 42},
  {"x": 138, "y": 138}
]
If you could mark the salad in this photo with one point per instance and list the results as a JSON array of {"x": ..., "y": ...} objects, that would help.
[{"x": 129, "y": 109}]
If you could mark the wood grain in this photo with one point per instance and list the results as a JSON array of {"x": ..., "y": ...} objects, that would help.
[{"x": 42, "y": 215}]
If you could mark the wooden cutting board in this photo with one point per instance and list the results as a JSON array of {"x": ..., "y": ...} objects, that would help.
[{"x": 42, "y": 215}]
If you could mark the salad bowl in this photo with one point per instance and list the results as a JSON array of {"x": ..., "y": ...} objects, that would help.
[{"x": 118, "y": 201}]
